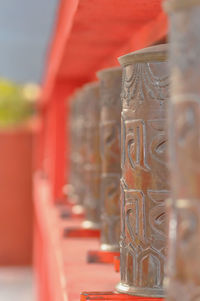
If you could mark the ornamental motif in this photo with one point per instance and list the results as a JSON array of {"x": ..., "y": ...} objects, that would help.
[
  {"x": 141, "y": 82},
  {"x": 144, "y": 183}
]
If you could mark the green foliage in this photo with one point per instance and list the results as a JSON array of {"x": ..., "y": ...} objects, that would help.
[{"x": 14, "y": 107}]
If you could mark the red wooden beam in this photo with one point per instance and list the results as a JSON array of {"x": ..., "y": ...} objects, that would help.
[
  {"x": 65, "y": 16},
  {"x": 90, "y": 35},
  {"x": 150, "y": 33}
]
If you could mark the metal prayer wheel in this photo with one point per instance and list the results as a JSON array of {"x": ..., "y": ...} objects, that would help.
[
  {"x": 70, "y": 187},
  {"x": 183, "y": 268},
  {"x": 92, "y": 156},
  {"x": 110, "y": 117},
  {"x": 77, "y": 149},
  {"x": 144, "y": 182}
]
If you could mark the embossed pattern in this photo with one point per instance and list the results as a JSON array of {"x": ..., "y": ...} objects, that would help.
[
  {"x": 77, "y": 156},
  {"x": 110, "y": 83},
  {"x": 183, "y": 273},
  {"x": 92, "y": 167},
  {"x": 144, "y": 183}
]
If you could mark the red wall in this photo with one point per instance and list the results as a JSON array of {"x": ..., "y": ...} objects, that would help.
[{"x": 16, "y": 212}]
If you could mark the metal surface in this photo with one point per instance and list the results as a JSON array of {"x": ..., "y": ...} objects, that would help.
[
  {"x": 92, "y": 156},
  {"x": 144, "y": 182},
  {"x": 76, "y": 189},
  {"x": 70, "y": 187},
  {"x": 183, "y": 281},
  {"x": 110, "y": 116}
]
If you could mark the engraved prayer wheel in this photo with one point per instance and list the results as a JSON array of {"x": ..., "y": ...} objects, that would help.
[
  {"x": 183, "y": 268},
  {"x": 77, "y": 149},
  {"x": 144, "y": 182},
  {"x": 92, "y": 166},
  {"x": 69, "y": 189},
  {"x": 110, "y": 119}
]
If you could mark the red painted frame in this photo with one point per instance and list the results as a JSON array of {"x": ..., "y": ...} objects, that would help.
[
  {"x": 67, "y": 57},
  {"x": 58, "y": 87}
]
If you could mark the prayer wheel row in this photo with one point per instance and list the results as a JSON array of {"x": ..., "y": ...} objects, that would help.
[
  {"x": 183, "y": 267},
  {"x": 131, "y": 212},
  {"x": 127, "y": 107}
]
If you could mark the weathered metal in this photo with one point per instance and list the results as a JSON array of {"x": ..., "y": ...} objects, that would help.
[
  {"x": 183, "y": 272},
  {"x": 92, "y": 156},
  {"x": 144, "y": 182},
  {"x": 77, "y": 187},
  {"x": 110, "y": 117},
  {"x": 69, "y": 188}
]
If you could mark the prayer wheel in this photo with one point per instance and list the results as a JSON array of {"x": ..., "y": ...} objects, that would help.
[
  {"x": 183, "y": 268},
  {"x": 76, "y": 126},
  {"x": 92, "y": 166},
  {"x": 69, "y": 189},
  {"x": 110, "y": 117},
  {"x": 144, "y": 181}
]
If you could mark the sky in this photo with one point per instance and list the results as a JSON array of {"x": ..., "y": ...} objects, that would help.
[{"x": 26, "y": 27}]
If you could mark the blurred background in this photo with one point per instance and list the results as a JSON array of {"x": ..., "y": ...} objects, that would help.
[{"x": 26, "y": 28}]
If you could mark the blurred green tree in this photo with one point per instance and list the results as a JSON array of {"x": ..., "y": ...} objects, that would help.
[{"x": 15, "y": 107}]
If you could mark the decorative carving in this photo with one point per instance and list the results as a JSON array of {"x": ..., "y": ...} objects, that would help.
[
  {"x": 140, "y": 81},
  {"x": 144, "y": 176},
  {"x": 110, "y": 83},
  {"x": 110, "y": 145},
  {"x": 143, "y": 237},
  {"x": 91, "y": 175},
  {"x": 157, "y": 214},
  {"x": 183, "y": 273},
  {"x": 76, "y": 127},
  {"x": 134, "y": 143}
]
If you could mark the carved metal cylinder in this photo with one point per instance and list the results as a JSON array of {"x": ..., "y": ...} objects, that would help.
[
  {"x": 183, "y": 268},
  {"x": 110, "y": 116},
  {"x": 144, "y": 182},
  {"x": 92, "y": 166},
  {"x": 76, "y": 124},
  {"x": 70, "y": 187}
]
